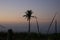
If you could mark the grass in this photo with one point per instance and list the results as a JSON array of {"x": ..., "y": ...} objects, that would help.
[{"x": 29, "y": 36}]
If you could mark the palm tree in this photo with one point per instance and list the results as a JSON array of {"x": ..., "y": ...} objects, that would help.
[
  {"x": 37, "y": 23},
  {"x": 55, "y": 29},
  {"x": 28, "y": 15},
  {"x": 51, "y": 23}
]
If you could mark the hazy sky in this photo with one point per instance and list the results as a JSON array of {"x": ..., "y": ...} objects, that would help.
[{"x": 11, "y": 11}]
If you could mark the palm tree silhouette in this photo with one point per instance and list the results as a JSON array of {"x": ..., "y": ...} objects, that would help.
[
  {"x": 28, "y": 15},
  {"x": 37, "y": 23},
  {"x": 51, "y": 22}
]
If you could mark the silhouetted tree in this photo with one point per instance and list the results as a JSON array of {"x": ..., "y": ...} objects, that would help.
[
  {"x": 37, "y": 24},
  {"x": 28, "y": 15},
  {"x": 51, "y": 23},
  {"x": 55, "y": 29},
  {"x": 10, "y": 34}
]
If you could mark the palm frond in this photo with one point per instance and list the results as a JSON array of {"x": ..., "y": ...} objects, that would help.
[
  {"x": 33, "y": 16},
  {"x": 24, "y": 15}
]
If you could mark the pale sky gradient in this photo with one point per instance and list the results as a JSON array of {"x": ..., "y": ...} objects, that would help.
[{"x": 11, "y": 11}]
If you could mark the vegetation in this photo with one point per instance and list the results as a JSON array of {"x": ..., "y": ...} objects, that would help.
[
  {"x": 28, "y": 16},
  {"x": 10, "y": 35},
  {"x": 29, "y": 36}
]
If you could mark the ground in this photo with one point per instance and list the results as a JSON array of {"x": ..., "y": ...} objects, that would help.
[{"x": 29, "y": 36}]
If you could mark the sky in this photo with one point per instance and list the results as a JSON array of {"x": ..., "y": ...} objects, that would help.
[{"x": 12, "y": 11}]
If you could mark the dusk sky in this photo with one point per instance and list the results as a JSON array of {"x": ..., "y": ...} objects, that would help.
[{"x": 12, "y": 11}]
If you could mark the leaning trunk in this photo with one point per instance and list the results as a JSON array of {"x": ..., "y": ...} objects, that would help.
[
  {"x": 55, "y": 29},
  {"x": 37, "y": 25},
  {"x": 29, "y": 26}
]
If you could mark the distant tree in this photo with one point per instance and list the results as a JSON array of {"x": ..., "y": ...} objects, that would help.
[
  {"x": 10, "y": 33},
  {"x": 28, "y": 15}
]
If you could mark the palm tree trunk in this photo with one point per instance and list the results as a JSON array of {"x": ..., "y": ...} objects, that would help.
[
  {"x": 55, "y": 26},
  {"x": 29, "y": 26},
  {"x": 56, "y": 29},
  {"x": 37, "y": 25}
]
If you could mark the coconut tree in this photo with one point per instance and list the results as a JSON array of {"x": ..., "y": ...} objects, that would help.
[
  {"x": 28, "y": 15},
  {"x": 37, "y": 23},
  {"x": 51, "y": 22}
]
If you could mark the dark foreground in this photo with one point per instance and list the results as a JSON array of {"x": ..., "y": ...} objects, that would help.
[{"x": 29, "y": 36}]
